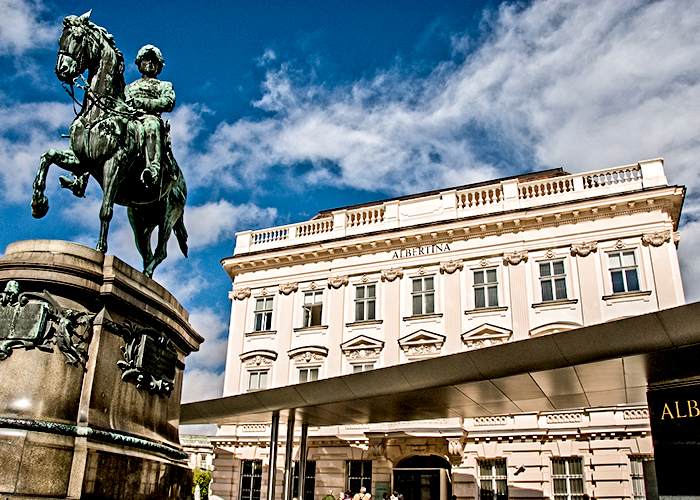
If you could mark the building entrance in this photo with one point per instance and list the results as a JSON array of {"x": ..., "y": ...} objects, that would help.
[{"x": 423, "y": 478}]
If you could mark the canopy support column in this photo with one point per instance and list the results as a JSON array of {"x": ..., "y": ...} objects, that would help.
[
  {"x": 303, "y": 448},
  {"x": 272, "y": 470},
  {"x": 288, "y": 450}
]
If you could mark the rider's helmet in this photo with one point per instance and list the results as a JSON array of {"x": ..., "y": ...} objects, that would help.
[{"x": 151, "y": 50}]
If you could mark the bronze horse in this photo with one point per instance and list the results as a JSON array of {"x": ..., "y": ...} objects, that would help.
[{"x": 106, "y": 142}]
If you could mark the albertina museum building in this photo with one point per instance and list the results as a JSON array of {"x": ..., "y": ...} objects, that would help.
[{"x": 422, "y": 276}]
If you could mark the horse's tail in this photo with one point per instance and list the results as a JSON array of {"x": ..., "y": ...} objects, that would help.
[{"x": 181, "y": 234}]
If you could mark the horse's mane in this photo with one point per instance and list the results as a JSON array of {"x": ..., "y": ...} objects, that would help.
[
  {"x": 78, "y": 22},
  {"x": 120, "y": 57}
]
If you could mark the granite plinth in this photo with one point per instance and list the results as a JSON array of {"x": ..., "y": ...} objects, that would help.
[{"x": 81, "y": 431}]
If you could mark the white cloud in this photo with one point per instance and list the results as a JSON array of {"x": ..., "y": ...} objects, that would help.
[
  {"x": 207, "y": 224},
  {"x": 581, "y": 85},
  {"x": 199, "y": 384},
  {"x": 214, "y": 329},
  {"x": 22, "y": 29},
  {"x": 26, "y": 131}
]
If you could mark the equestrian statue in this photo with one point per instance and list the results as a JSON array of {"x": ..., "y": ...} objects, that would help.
[{"x": 119, "y": 138}]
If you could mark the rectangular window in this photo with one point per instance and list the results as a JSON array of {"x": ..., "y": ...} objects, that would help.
[
  {"x": 309, "y": 484},
  {"x": 623, "y": 271},
  {"x": 493, "y": 479},
  {"x": 263, "y": 314},
  {"x": 251, "y": 479},
  {"x": 313, "y": 305},
  {"x": 553, "y": 280},
  {"x": 362, "y": 367},
  {"x": 365, "y": 302},
  {"x": 308, "y": 374},
  {"x": 637, "y": 477},
  {"x": 257, "y": 380},
  {"x": 423, "y": 295},
  {"x": 485, "y": 288},
  {"x": 567, "y": 478},
  {"x": 359, "y": 475}
]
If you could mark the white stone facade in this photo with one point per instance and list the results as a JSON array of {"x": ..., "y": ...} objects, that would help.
[{"x": 443, "y": 272}]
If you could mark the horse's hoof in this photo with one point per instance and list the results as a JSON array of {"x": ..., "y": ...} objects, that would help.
[{"x": 39, "y": 207}]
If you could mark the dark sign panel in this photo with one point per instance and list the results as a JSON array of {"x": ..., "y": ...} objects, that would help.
[
  {"x": 675, "y": 430},
  {"x": 157, "y": 358}
]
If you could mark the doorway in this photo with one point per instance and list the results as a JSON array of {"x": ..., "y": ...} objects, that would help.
[{"x": 423, "y": 478}]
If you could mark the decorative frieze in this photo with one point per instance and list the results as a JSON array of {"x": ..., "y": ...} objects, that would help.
[
  {"x": 391, "y": 274},
  {"x": 287, "y": 288},
  {"x": 451, "y": 266},
  {"x": 239, "y": 294},
  {"x": 636, "y": 414},
  {"x": 656, "y": 239},
  {"x": 336, "y": 282},
  {"x": 564, "y": 418},
  {"x": 515, "y": 258},
  {"x": 584, "y": 249},
  {"x": 489, "y": 421}
]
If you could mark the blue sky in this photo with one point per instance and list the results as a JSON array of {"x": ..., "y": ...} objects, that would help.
[{"x": 287, "y": 108}]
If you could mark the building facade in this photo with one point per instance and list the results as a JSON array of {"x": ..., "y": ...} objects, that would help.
[{"x": 436, "y": 273}]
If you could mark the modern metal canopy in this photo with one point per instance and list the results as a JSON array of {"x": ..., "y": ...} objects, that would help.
[{"x": 606, "y": 364}]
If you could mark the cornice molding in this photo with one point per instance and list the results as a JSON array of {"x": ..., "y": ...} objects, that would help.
[{"x": 476, "y": 227}]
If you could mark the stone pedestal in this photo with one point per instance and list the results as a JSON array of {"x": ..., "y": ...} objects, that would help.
[{"x": 91, "y": 360}]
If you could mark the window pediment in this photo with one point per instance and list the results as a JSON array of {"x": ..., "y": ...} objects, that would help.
[
  {"x": 362, "y": 346},
  {"x": 486, "y": 335},
  {"x": 561, "y": 326},
  {"x": 421, "y": 343},
  {"x": 259, "y": 357},
  {"x": 308, "y": 354}
]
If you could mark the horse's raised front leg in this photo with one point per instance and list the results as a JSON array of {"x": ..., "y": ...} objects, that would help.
[
  {"x": 64, "y": 159},
  {"x": 109, "y": 187}
]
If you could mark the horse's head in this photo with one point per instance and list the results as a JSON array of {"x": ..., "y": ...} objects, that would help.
[{"x": 74, "y": 46}]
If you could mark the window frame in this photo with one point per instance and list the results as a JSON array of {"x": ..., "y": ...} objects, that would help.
[
  {"x": 355, "y": 482},
  {"x": 308, "y": 370},
  {"x": 637, "y": 476},
  {"x": 309, "y": 480},
  {"x": 365, "y": 303},
  {"x": 423, "y": 295},
  {"x": 624, "y": 270},
  {"x": 552, "y": 279},
  {"x": 486, "y": 287},
  {"x": 255, "y": 488},
  {"x": 365, "y": 365},
  {"x": 265, "y": 314},
  {"x": 568, "y": 477},
  {"x": 249, "y": 376},
  {"x": 493, "y": 478},
  {"x": 308, "y": 310}
]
